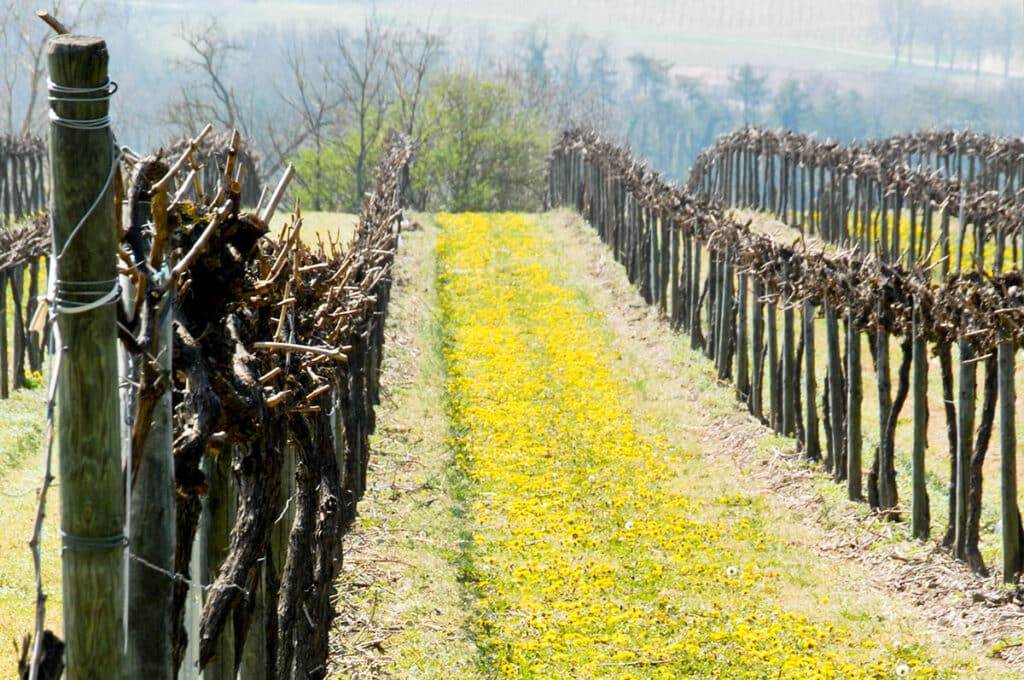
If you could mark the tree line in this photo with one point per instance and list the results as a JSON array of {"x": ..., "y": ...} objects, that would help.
[{"x": 483, "y": 115}]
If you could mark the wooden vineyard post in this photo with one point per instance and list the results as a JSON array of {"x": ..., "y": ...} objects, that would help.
[
  {"x": 674, "y": 269},
  {"x": 967, "y": 396},
  {"x": 742, "y": 362},
  {"x": 724, "y": 335},
  {"x": 879, "y": 489},
  {"x": 789, "y": 385},
  {"x": 920, "y": 514},
  {"x": 712, "y": 304},
  {"x": 854, "y": 395},
  {"x": 836, "y": 395},
  {"x": 696, "y": 338},
  {"x": 153, "y": 531},
  {"x": 35, "y": 355},
  {"x": 82, "y": 158},
  {"x": 4, "y": 389},
  {"x": 219, "y": 510},
  {"x": 1012, "y": 561},
  {"x": 774, "y": 388},
  {"x": 757, "y": 345},
  {"x": 812, "y": 446},
  {"x": 17, "y": 279}
]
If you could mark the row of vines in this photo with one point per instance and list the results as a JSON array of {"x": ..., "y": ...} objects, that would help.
[
  {"x": 22, "y": 257},
  {"x": 886, "y": 266},
  {"x": 22, "y": 253},
  {"x": 276, "y": 356},
  {"x": 210, "y": 466}
]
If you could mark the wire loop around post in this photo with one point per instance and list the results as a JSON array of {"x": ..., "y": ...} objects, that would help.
[
  {"x": 80, "y": 95},
  {"x": 91, "y": 543},
  {"x": 79, "y": 297}
]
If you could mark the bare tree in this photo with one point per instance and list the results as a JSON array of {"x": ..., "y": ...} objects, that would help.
[
  {"x": 22, "y": 48},
  {"x": 316, "y": 104},
  {"x": 937, "y": 29},
  {"x": 209, "y": 96},
  {"x": 412, "y": 59},
  {"x": 751, "y": 90},
  {"x": 898, "y": 19},
  {"x": 364, "y": 88},
  {"x": 977, "y": 36},
  {"x": 1003, "y": 33}
]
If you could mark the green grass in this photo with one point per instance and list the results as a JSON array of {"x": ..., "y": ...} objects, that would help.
[
  {"x": 21, "y": 443},
  {"x": 408, "y": 573},
  {"x": 22, "y": 433},
  {"x": 674, "y": 414},
  {"x": 323, "y": 225},
  {"x": 34, "y": 380}
]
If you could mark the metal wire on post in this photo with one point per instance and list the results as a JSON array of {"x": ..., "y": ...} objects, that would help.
[{"x": 69, "y": 298}]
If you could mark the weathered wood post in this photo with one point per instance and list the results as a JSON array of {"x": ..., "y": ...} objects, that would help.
[
  {"x": 1012, "y": 558},
  {"x": 757, "y": 349},
  {"x": 219, "y": 512},
  {"x": 82, "y": 162},
  {"x": 920, "y": 518},
  {"x": 153, "y": 530},
  {"x": 35, "y": 355},
  {"x": 789, "y": 385},
  {"x": 967, "y": 395},
  {"x": 17, "y": 279},
  {"x": 836, "y": 395},
  {"x": 742, "y": 361},
  {"x": 854, "y": 394},
  {"x": 879, "y": 489},
  {"x": 4, "y": 390},
  {"x": 774, "y": 386},
  {"x": 812, "y": 445}
]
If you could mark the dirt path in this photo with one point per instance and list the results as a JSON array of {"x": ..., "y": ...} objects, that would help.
[
  {"x": 407, "y": 608},
  {"x": 400, "y": 603}
]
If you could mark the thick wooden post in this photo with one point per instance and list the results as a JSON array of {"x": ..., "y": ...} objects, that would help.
[
  {"x": 4, "y": 377},
  {"x": 1008, "y": 464},
  {"x": 965, "y": 442},
  {"x": 674, "y": 269},
  {"x": 774, "y": 387},
  {"x": 920, "y": 518},
  {"x": 878, "y": 491},
  {"x": 35, "y": 355},
  {"x": 812, "y": 445},
  {"x": 789, "y": 386},
  {"x": 92, "y": 491},
  {"x": 725, "y": 319},
  {"x": 153, "y": 532},
  {"x": 219, "y": 512},
  {"x": 696, "y": 336},
  {"x": 17, "y": 278},
  {"x": 836, "y": 396},
  {"x": 757, "y": 345},
  {"x": 854, "y": 394},
  {"x": 742, "y": 361}
]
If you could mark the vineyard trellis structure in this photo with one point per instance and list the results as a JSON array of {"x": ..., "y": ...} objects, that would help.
[
  {"x": 249, "y": 368},
  {"x": 211, "y": 157},
  {"x": 24, "y": 240},
  {"x": 887, "y": 264},
  {"x": 24, "y": 236},
  {"x": 23, "y": 254},
  {"x": 278, "y": 345},
  {"x": 22, "y": 177}
]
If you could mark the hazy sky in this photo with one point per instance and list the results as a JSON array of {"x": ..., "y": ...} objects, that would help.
[{"x": 798, "y": 34}]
